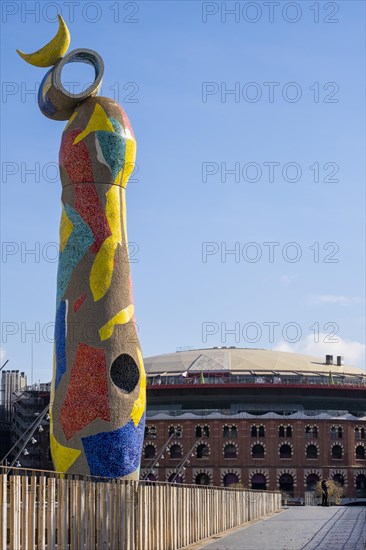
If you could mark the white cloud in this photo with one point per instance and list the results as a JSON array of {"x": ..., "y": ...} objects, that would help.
[
  {"x": 334, "y": 299},
  {"x": 354, "y": 352},
  {"x": 287, "y": 279}
]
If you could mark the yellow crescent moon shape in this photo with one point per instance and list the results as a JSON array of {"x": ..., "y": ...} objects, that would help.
[{"x": 53, "y": 50}]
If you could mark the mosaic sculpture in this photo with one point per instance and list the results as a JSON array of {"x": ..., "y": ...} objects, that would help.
[{"x": 98, "y": 387}]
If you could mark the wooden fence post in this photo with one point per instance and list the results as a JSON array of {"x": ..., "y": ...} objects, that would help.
[
  {"x": 51, "y": 513},
  {"x": 83, "y": 514},
  {"x": 3, "y": 511},
  {"x": 41, "y": 509},
  {"x": 15, "y": 513}
]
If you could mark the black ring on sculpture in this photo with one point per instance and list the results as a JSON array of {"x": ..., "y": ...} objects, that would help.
[{"x": 82, "y": 56}]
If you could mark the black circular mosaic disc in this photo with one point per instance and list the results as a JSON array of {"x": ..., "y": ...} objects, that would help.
[{"x": 125, "y": 373}]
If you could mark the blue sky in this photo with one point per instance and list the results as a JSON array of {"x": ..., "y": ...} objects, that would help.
[{"x": 291, "y": 133}]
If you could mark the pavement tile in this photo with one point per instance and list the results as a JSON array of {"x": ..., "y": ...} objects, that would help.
[{"x": 301, "y": 528}]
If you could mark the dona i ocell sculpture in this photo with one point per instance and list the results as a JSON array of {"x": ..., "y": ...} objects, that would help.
[{"x": 98, "y": 388}]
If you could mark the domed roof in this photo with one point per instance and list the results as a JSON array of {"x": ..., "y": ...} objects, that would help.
[{"x": 236, "y": 360}]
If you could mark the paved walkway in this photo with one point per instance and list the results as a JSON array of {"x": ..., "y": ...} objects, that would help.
[{"x": 301, "y": 528}]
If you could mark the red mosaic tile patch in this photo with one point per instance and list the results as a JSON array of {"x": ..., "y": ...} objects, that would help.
[
  {"x": 89, "y": 207},
  {"x": 79, "y": 302},
  {"x": 75, "y": 158},
  {"x": 87, "y": 394}
]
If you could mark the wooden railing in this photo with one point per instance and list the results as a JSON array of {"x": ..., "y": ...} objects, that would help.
[{"x": 42, "y": 510}]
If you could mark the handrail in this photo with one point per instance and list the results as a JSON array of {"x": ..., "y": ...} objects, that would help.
[
  {"x": 26, "y": 436},
  {"x": 262, "y": 381},
  {"x": 76, "y": 477}
]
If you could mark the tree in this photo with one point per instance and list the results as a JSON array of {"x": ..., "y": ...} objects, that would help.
[{"x": 335, "y": 491}]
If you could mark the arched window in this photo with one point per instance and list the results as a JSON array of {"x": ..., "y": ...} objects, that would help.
[
  {"x": 336, "y": 432},
  {"x": 311, "y": 432},
  {"x": 285, "y": 451},
  {"x": 258, "y": 451},
  {"x": 361, "y": 485},
  {"x": 311, "y": 451},
  {"x": 288, "y": 431},
  {"x": 286, "y": 483},
  {"x": 226, "y": 431},
  {"x": 261, "y": 431},
  {"x": 175, "y": 478},
  {"x": 360, "y": 452},
  {"x": 202, "y": 479},
  {"x": 177, "y": 431},
  {"x": 337, "y": 452},
  {"x": 206, "y": 431},
  {"x": 362, "y": 433},
  {"x": 149, "y": 451},
  {"x": 175, "y": 451},
  {"x": 230, "y": 432},
  {"x": 253, "y": 431},
  {"x": 151, "y": 477},
  {"x": 230, "y": 479},
  {"x": 259, "y": 482},
  {"x": 338, "y": 478},
  {"x": 357, "y": 433},
  {"x": 311, "y": 481},
  {"x": 203, "y": 451},
  {"x": 281, "y": 431},
  {"x": 230, "y": 451},
  {"x": 150, "y": 431},
  {"x": 198, "y": 431}
]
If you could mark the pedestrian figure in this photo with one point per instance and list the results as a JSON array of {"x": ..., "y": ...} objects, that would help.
[{"x": 324, "y": 493}]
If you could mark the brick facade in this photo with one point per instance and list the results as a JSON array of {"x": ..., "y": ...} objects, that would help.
[{"x": 278, "y": 450}]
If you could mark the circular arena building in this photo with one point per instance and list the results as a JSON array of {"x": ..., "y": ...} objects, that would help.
[{"x": 260, "y": 418}]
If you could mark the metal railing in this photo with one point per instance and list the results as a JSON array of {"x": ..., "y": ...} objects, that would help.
[{"x": 316, "y": 379}]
